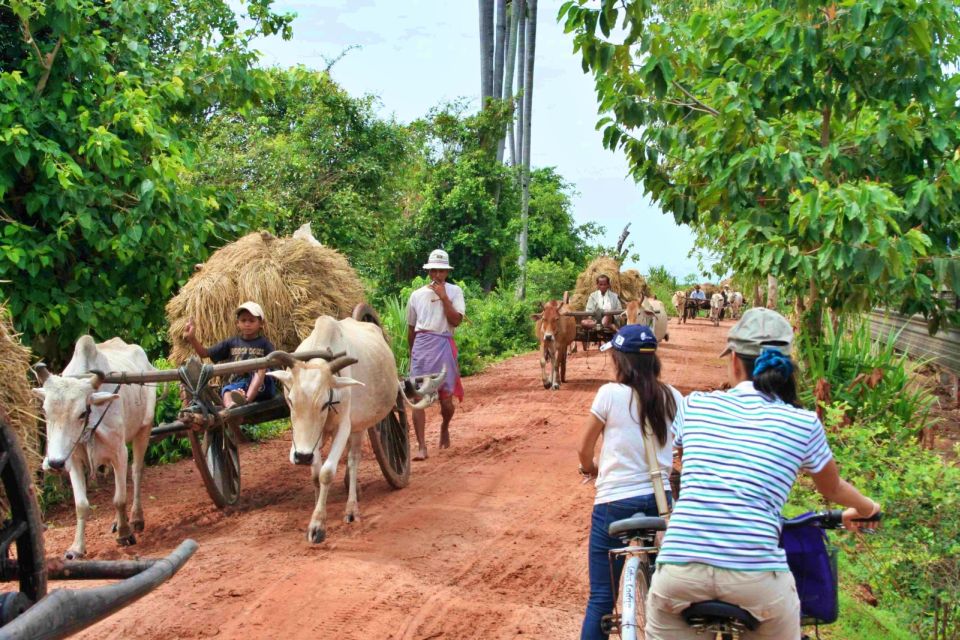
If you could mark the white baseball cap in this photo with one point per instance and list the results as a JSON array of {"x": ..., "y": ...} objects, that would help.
[
  {"x": 438, "y": 260},
  {"x": 253, "y": 308}
]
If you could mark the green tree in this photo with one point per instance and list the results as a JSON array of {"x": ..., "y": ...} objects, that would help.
[
  {"x": 554, "y": 235},
  {"x": 813, "y": 141},
  {"x": 99, "y": 104},
  {"x": 311, "y": 153},
  {"x": 460, "y": 198}
]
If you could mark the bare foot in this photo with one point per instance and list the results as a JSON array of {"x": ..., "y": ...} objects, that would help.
[
  {"x": 421, "y": 454},
  {"x": 444, "y": 438}
]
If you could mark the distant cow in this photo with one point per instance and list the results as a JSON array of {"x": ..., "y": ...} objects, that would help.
[
  {"x": 649, "y": 312},
  {"x": 735, "y": 302},
  {"x": 340, "y": 399},
  {"x": 679, "y": 300},
  {"x": 556, "y": 332},
  {"x": 87, "y": 427},
  {"x": 716, "y": 307}
]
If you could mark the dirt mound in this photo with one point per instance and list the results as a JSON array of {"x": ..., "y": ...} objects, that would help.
[
  {"x": 629, "y": 284},
  {"x": 295, "y": 280},
  {"x": 16, "y": 398}
]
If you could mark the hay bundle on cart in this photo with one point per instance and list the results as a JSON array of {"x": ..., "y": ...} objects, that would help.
[
  {"x": 16, "y": 397},
  {"x": 629, "y": 284},
  {"x": 295, "y": 280}
]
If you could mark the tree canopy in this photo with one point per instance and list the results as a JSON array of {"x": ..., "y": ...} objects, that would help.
[
  {"x": 815, "y": 141},
  {"x": 99, "y": 101}
]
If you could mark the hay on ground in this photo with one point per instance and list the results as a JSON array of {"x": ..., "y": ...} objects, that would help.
[
  {"x": 16, "y": 398},
  {"x": 628, "y": 285},
  {"x": 293, "y": 279}
]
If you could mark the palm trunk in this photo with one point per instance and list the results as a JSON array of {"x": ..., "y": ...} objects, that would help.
[
  {"x": 499, "y": 53},
  {"x": 529, "y": 55},
  {"x": 507, "y": 94},
  {"x": 486, "y": 50},
  {"x": 521, "y": 73}
]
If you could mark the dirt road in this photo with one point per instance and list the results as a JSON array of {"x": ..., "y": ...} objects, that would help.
[{"x": 488, "y": 541}]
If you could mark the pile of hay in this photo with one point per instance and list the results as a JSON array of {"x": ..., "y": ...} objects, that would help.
[
  {"x": 16, "y": 398},
  {"x": 295, "y": 280},
  {"x": 629, "y": 284}
]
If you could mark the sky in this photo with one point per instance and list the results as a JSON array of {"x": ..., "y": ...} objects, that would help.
[{"x": 417, "y": 54}]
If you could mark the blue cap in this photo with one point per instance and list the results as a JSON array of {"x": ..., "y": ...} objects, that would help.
[{"x": 633, "y": 338}]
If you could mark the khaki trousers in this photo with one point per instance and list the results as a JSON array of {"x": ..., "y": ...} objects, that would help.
[{"x": 771, "y": 596}]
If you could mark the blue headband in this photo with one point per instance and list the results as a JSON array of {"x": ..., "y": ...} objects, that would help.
[{"x": 773, "y": 359}]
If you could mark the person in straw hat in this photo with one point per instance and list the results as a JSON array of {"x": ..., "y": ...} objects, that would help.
[
  {"x": 433, "y": 312},
  {"x": 249, "y": 343},
  {"x": 742, "y": 450}
]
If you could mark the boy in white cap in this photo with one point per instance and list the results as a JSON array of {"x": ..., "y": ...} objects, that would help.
[
  {"x": 248, "y": 344},
  {"x": 433, "y": 312}
]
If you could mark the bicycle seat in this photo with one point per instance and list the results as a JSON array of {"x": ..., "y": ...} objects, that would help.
[
  {"x": 636, "y": 526},
  {"x": 714, "y": 611}
]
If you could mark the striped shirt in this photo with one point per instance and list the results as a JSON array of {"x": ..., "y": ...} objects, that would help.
[{"x": 741, "y": 455}]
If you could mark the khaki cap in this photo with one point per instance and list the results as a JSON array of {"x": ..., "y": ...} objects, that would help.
[
  {"x": 253, "y": 308},
  {"x": 759, "y": 328}
]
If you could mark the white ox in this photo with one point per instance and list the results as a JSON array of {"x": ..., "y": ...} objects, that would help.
[
  {"x": 679, "y": 300},
  {"x": 340, "y": 399},
  {"x": 87, "y": 428},
  {"x": 716, "y": 306},
  {"x": 649, "y": 312}
]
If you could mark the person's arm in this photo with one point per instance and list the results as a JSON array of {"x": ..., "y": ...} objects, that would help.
[
  {"x": 835, "y": 489},
  {"x": 189, "y": 334},
  {"x": 588, "y": 442},
  {"x": 454, "y": 317},
  {"x": 411, "y": 336}
]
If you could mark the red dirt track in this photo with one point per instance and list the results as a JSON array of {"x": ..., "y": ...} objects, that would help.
[{"x": 488, "y": 541}]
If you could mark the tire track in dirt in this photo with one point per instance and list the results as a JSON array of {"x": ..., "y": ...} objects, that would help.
[{"x": 488, "y": 541}]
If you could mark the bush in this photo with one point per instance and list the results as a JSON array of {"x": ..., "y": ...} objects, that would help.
[
  {"x": 869, "y": 376},
  {"x": 173, "y": 447},
  {"x": 548, "y": 280}
]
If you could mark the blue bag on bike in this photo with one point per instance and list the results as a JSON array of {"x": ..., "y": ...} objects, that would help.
[{"x": 814, "y": 567}]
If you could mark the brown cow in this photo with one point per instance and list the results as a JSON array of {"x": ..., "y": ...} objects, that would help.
[{"x": 555, "y": 331}]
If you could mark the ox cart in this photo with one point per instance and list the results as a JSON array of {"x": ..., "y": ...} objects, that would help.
[
  {"x": 692, "y": 307},
  {"x": 27, "y": 611},
  {"x": 599, "y": 333},
  {"x": 214, "y": 432}
]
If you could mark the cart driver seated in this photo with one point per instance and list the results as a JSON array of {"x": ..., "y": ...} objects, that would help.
[{"x": 604, "y": 304}]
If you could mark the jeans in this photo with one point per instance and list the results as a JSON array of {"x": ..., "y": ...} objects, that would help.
[{"x": 601, "y": 589}]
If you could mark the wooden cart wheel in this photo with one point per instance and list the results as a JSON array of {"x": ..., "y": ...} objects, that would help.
[
  {"x": 21, "y": 534},
  {"x": 389, "y": 438},
  {"x": 218, "y": 461}
]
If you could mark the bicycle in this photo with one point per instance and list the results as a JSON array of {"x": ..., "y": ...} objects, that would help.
[
  {"x": 639, "y": 534},
  {"x": 727, "y": 621}
]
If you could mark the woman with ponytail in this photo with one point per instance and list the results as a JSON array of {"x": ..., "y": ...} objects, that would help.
[
  {"x": 624, "y": 488},
  {"x": 742, "y": 450}
]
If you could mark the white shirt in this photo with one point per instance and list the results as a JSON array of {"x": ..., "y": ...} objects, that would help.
[
  {"x": 603, "y": 302},
  {"x": 623, "y": 462},
  {"x": 425, "y": 311}
]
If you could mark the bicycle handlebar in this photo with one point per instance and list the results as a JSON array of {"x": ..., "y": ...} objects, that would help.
[{"x": 832, "y": 519}]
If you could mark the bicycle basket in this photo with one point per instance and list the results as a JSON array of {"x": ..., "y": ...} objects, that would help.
[{"x": 814, "y": 567}]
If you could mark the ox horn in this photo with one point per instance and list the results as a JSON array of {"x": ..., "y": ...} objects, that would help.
[
  {"x": 282, "y": 357},
  {"x": 96, "y": 378},
  {"x": 341, "y": 362},
  {"x": 427, "y": 391},
  {"x": 40, "y": 370}
]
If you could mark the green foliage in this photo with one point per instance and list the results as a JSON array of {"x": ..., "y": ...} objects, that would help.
[
  {"x": 394, "y": 320},
  {"x": 866, "y": 376},
  {"x": 809, "y": 141},
  {"x": 462, "y": 200},
  {"x": 265, "y": 430},
  {"x": 497, "y": 326},
  {"x": 872, "y": 426},
  {"x": 310, "y": 152},
  {"x": 173, "y": 447},
  {"x": 96, "y": 137},
  {"x": 553, "y": 235},
  {"x": 547, "y": 280}
]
